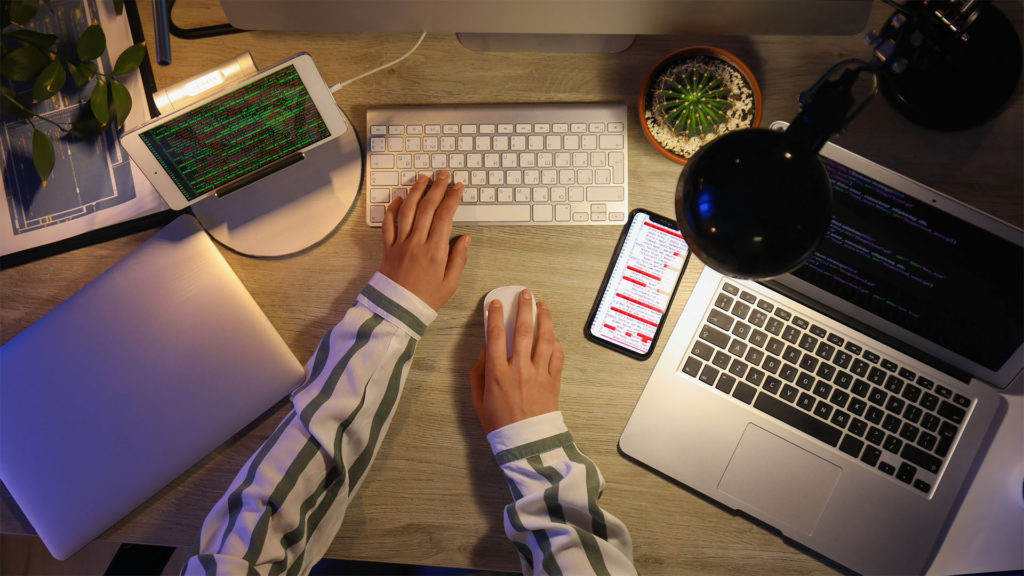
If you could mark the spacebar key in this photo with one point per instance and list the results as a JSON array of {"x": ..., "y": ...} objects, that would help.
[
  {"x": 798, "y": 419},
  {"x": 493, "y": 213}
]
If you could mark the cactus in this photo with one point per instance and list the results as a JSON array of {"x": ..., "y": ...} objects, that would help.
[{"x": 695, "y": 103}]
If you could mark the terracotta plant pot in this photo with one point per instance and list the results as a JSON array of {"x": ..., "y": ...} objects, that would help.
[{"x": 722, "y": 95}]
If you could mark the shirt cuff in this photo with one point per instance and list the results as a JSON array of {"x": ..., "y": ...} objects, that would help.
[
  {"x": 527, "y": 431},
  {"x": 397, "y": 305}
]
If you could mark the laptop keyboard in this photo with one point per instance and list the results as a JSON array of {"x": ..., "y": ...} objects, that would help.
[{"x": 813, "y": 379}]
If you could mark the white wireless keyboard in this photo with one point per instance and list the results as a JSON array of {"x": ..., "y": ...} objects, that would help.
[{"x": 547, "y": 164}]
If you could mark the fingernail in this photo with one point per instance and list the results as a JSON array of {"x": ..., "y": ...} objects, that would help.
[{"x": 526, "y": 294}]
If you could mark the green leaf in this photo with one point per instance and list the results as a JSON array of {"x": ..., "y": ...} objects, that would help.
[
  {"x": 42, "y": 155},
  {"x": 49, "y": 81},
  {"x": 99, "y": 102},
  {"x": 12, "y": 105},
  {"x": 86, "y": 125},
  {"x": 24, "y": 63},
  {"x": 37, "y": 39},
  {"x": 92, "y": 43},
  {"x": 83, "y": 72},
  {"x": 130, "y": 59},
  {"x": 118, "y": 7},
  {"x": 122, "y": 102},
  {"x": 23, "y": 10}
]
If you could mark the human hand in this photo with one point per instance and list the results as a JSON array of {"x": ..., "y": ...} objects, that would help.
[
  {"x": 417, "y": 230},
  {"x": 507, "y": 390}
]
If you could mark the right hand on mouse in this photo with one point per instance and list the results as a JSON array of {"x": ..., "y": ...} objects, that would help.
[
  {"x": 510, "y": 389},
  {"x": 417, "y": 232}
]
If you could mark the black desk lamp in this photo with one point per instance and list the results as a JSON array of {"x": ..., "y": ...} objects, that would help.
[{"x": 755, "y": 203}]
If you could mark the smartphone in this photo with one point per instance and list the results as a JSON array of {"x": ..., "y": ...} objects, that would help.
[
  {"x": 239, "y": 134},
  {"x": 639, "y": 285}
]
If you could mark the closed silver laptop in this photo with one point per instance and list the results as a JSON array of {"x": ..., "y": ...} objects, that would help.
[
  {"x": 844, "y": 403},
  {"x": 130, "y": 381}
]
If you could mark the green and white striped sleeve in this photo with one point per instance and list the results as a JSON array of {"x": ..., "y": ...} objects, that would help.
[
  {"x": 285, "y": 506},
  {"x": 555, "y": 520}
]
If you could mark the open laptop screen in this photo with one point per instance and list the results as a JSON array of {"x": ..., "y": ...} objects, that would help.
[{"x": 920, "y": 268}]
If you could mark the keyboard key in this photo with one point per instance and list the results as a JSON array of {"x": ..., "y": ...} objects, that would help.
[
  {"x": 721, "y": 359},
  {"x": 858, "y": 427},
  {"x": 859, "y": 367},
  {"x": 876, "y": 376},
  {"x": 725, "y": 383},
  {"x": 744, "y": 392},
  {"x": 912, "y": 393},
  {"x": 702, "y": 350},
  {"x": 922, "y": 486},
  {"x": 892, "y": 423},
  {"x": 798, "y": 419},
  {"x": 789, "y": 393},
  {"x": 909, "y": 432},
  {"x": 806, "y": 401},
  {"x": 708, "y": 374},
  {"x": 951, "y": 412},
  {"x": 840, "y": 418},
  {"x": 875, "y": 435},
  {"x": 711, "y": 334},
  {"x": 843, "y": 379},
  {"x": 808, "y": 342},
  {"x": 720, "y": 319},
  {"x": 926, "y": 441},
  {"x": 892, "y": 444},
  {"x": 920, "y": 458},
  {"x": 692, "y": 366},
  {"x": 870, "y": 455},
  {"x": 887, "y": 468},
  {"x": 851, "y": 445},
  {"x": 494, "y": 213}
]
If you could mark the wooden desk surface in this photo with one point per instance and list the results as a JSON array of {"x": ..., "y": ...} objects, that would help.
[{"x": 434, "y": 495}]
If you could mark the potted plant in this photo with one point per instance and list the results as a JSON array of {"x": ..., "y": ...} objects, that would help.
[
  {"x": 35, "y": 67},
  {"x": 695, "y": 95}
]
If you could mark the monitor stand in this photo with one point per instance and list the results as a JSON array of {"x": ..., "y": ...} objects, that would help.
[
  {"x": 559, "y": 43},
  {"x": 291, "y": 209}
]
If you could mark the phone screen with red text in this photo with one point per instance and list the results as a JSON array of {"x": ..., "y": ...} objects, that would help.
[{"x": 639, "y": 285}]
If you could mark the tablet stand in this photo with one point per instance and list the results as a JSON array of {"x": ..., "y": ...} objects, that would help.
[{"x": 289, "y": 209}]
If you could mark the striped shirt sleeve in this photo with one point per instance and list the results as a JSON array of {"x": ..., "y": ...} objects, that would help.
[
  {"x": 283, "y": 509},
  {"x": 555, "y": 521}
]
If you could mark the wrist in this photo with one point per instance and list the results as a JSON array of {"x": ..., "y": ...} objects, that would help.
[
  {"x": 526, "y": 431},
  {"x": 397, "y": 305}
]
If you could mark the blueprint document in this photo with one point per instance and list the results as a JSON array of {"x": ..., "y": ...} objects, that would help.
[{"x": 93, "y": 183}]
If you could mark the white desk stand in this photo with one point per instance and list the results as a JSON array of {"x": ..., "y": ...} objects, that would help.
[{"x": 291, "y": 209}]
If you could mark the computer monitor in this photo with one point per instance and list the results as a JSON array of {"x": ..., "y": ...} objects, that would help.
[{"x": 554, "y": 25}]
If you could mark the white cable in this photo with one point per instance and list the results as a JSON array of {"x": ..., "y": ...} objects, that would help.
[{"x": 341, "y": 85}]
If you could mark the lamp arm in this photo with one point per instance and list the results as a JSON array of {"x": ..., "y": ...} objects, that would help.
[{"x": 828, "y": 106}]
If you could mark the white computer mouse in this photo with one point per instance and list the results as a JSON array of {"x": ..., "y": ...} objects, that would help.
[{"x": 509, "y": 297}]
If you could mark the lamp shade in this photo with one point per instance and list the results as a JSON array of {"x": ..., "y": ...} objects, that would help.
[{"x": 754, "y": 203}]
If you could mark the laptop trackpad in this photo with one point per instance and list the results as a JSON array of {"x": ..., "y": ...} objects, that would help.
[{"x": 778, "y": 478}]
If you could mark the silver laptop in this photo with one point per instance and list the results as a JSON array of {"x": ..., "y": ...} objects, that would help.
[
  {"x": 130, "y": 381},
  {"x": 844, "y": 403}
]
